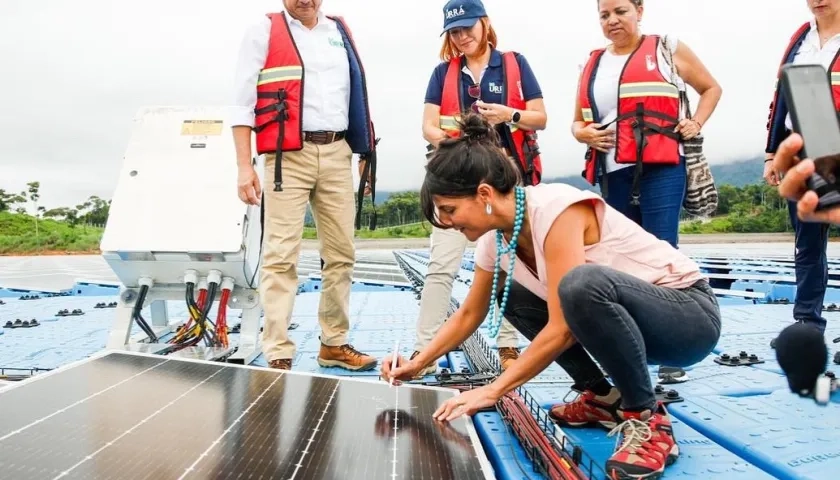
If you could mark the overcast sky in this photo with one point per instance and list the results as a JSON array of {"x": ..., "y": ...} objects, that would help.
[{"x": 74, "y": 74}]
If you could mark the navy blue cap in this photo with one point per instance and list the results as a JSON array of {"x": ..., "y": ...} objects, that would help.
[{"x": 462, "y": 13}]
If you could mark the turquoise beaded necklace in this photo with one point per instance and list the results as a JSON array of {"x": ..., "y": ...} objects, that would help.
[{"x": 519, "y": 216}]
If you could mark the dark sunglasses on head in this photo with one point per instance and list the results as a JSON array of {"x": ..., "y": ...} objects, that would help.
[{"x": 474, "y": 91}]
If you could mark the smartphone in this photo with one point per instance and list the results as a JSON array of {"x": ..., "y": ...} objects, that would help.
[{"x": 807, "y": 91}]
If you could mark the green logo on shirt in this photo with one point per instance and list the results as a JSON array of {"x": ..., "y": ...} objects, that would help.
[{"x": 336, "y": 42}]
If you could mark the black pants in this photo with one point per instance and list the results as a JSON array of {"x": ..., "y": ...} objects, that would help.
[
  {"x": 811, "y": 266},
  {"x": 625, "y": 323}
]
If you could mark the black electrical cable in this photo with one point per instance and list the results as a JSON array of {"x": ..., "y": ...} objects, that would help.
[
  {"x": 201, "y": 321},
  {"x": 137, "y": 317},
  {"x": 209, "y": 334},
  {"x": 189, "y": 293}
]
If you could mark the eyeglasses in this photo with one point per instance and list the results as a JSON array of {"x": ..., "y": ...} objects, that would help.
[{"x": 474, "y": 91}]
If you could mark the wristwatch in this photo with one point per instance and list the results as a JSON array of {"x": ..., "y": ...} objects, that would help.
[{"x": 515, "y": 117}]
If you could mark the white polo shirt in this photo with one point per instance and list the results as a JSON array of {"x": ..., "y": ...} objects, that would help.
[
  {"x": 810, "y": 52},
  {"x": 326, "y": 87}
]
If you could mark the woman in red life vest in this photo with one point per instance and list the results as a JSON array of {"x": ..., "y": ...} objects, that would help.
[
  {"x": 631, "y": 80},
  {"x": 474, "y": 75},
  {"x": 628, "y": 84}
]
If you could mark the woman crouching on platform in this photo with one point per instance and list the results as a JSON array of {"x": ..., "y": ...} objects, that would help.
[{"x": 586, "y": 279}]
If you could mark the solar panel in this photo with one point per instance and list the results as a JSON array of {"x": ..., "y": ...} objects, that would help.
[{"x": 132, "y": 415}]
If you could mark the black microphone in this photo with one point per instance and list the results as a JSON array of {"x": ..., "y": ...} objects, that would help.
[{"x": 803, "y": 356}]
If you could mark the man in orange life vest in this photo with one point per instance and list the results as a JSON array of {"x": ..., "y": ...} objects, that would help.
[
  {"x": 308, "y": 132},
  {"x": 816, "y": 41}
]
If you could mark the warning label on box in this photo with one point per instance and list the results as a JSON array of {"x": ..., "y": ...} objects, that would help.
[{"x": 202, "y": 127}]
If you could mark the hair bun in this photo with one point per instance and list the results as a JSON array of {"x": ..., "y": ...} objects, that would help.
[{"x": 475, "y": 126}]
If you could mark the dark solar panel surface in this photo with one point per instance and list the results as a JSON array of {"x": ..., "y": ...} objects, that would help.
[{"x": 143, "y": 417}]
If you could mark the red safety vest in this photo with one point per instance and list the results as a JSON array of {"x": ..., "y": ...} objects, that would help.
[
  {"x": 280, "y": 84},
  {"x": 524, "y": 142},
  {"x": 833, "y": 71},
  {"x": 645, "y": 98}
]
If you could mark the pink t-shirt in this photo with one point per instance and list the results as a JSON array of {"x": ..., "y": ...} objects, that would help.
[{"x": 624, "y": 245}]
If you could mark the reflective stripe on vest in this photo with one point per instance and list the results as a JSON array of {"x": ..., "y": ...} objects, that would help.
[
  {"x": 449, "y": 124},
  {"x": 648, "y": 89},
  {"x": 279, "y": 74}
]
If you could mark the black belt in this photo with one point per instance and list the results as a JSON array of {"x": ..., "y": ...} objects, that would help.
[{"x": 322, "y": 138}]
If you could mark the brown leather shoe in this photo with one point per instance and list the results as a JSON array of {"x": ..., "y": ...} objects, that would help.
[
  {"x": 507, "y": 355},
  {"x": 429, "y": 369},
  {"x": 281, "y": 363},
  {"x": 345, "y": 356}
]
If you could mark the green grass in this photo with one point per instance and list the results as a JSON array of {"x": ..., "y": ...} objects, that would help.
[
  {"x": 715, "y": 225},
  {"x": 17, "y": 233},
  {"x": 17, "y": 236}
]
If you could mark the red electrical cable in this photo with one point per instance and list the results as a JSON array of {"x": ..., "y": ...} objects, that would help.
[
  {"x": 556, "y": 465},
  {"x": 519, "y": 416},
  {"x": 202, "y": 297},
  {"x": 221, "y": 319}
]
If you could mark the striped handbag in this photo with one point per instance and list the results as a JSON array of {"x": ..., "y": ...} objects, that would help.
[{"x": 701, "y": 196}]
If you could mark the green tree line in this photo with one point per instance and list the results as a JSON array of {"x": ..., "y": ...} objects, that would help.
[
  {"x": 49, "y": 230},
  {"x": 26, "y": 225},
  {"x": 93, "y": 211},
  {"x": 754, "y": 208},
  {"x": 400, "y": 208}
]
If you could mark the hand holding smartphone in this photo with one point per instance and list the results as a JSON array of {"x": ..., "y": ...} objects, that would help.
[{"x": 807, "y": 91}]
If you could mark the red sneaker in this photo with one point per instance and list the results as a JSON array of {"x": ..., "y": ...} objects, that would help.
[
  {"x": 646, "y": 446},
  {"x": 589, "y": 409}
]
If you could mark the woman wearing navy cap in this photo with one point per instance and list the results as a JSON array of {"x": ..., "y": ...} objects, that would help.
[{"x": 474, "y": 75}]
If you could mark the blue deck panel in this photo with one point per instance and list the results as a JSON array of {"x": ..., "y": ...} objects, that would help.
[
  {"x": 57, "y": 340},
  {"x": 778, "y": 433},
  {"x": 735, "y": 422},
  {"x": 503, "y": 450}
]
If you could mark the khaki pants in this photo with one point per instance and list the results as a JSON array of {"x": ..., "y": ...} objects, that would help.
[
  {"x": 322, "y": 176},
  {"x": 444, "y": 263}
]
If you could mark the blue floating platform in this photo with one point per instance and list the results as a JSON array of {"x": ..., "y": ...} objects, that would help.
[
  {"x": 779, "y": 433},
  {"x": 734, "y": 423}
]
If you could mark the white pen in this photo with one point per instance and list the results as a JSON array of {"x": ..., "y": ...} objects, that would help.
[{"x": 394, "y": 361}]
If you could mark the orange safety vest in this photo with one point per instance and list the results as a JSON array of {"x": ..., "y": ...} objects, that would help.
[
  {"x": 648, "y": 112},
  {"x": 776, "y": 119},
  {"x": 524, "y": 142}
]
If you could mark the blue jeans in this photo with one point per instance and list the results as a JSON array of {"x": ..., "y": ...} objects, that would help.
[
  {"x": 661, "y": 190},
  {"x": 811, "y": 267},
  {"x": 625, "y": 324}
]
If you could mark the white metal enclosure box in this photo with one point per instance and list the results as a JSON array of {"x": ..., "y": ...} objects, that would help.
[{"x": 176, "y": 205}]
